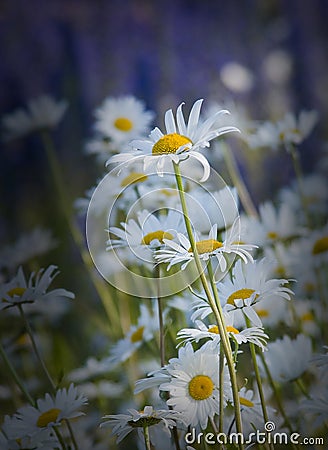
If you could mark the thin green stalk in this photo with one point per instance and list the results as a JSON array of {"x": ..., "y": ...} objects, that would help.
[
  {"x": 44, "y": 368},
  {"x": 292, "y": 150},
  {"x": 258, "y": 378},
  {"x": 146, "y": 437},
  {"x": 222, "y": 330},
  {"x": 238, "y": 181},
  {"x": 15, "y": 376},
  {"x": 302, "y": 388},
  {"x": 74, "y": 230},
  {"x": 35, "y": 348},
  {"x": 60, "y": 438},
  {"x": 157, "y": 273},
  {"x": 277, "y": 396}
]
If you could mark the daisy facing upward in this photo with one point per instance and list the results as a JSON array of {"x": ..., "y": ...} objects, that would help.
[{"x": 181, "y": 141}]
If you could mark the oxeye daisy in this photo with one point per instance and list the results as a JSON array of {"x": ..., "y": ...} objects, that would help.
[
  {"x": 148, "y": 234},
  {"x": 194, "y": 384},
  {"x": 250, "y": 283},
  {"x": 274, "y": 224},
  {"x": 288, "y": 358},
  {"x": 122, "y": 119},
  {"x": 21, "y": 290},
  {"x": 181, "y": 141},
  {"x": 50, "y": 411},
  {"x": 207, "y": 248},
  {"x": 123, "y": 424},
  {"x": 137, "y": 335},
  {"x": 42, "y": 112},
  {"x": 254, "y": 335}
]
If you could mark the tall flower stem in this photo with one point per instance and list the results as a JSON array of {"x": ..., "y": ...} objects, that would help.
[
  {"x": 238, "y": 181},
  {"x": 146, "y": 437},
  {"x": 76, "y": 234},
  {"x": 157, "y": 274},
  {"x": 44, "y": 368},
  {"x": 36, "y": 350},
  {"x": 294, "y": 153},
  {"x": 222, "y": 329},
  {"x": 15, "y": 376},
  {"x": 277, "y": 396},
  {"x": 258, "y": 378}
]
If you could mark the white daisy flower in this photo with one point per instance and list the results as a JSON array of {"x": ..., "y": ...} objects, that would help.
[
  {"x": 250, "y": 283},
  {"x": 27, "y": 246},
  {"x": 123, "y": 424},
  {"x": 321, "y": 361},
  {"x": 317, "y": 408},
  {"x": 290, "y": 130},
  {"x": 180, "y": 141},
  {"x": 50, "y": 411},
  {"x": 287, "y": 359},
  {"x": 251, "y": 411},
  {"x": 138, "y": 334},
  {"x": 42, "y": 112},
  {"x": 194, "y": 384},
  {"x": 122, "y": 119},
  {"x": 19, "y": 290},
  {"x": 182, "y": 253},
  {"x": 254, "y": 335},
  {"x": 274, "y": 224},
  {"x": 264, "y": 135},
  {"x": 12, "y": 439},
  {"x": 294, "y": 130},
  {"x": 148, "y": 234},
  {"x": 315, "y": 193}
]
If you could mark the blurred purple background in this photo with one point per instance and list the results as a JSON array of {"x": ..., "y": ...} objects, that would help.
[{"x": 163, "y": 52}]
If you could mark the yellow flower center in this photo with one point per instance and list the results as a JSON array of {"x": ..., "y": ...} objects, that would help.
[
  {"x": 262, "y": 312},
  {"x": 230, "y": 329},
  {"x": 201, "y": 387},
  {"x": 14, "y": 292},
  {"x": 307, "y": 317},
  {"x": 169, "y": 192},
  {"x": 123, "y": 124},
  {"x": 137, "y": 335},
  {"x": 214, "y": 329},
  {"x": 245, "y": 402},
  {"x": 160, "y": 235},
  {"x": 320, "y": 246},
  {"x": 242, "y": 294},
  {"x": 272, "y": 235},
  {"x": 18, "y": 291},
  {"x": 133, "y": 177},
  {"x": 48, "y": 417},
  {"x": 207, "y": 246},
  {"x": 170, "y": 143}
]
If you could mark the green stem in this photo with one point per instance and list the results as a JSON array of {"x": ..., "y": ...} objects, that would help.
[
  {"x": 214, "y": 307},
  {"x": 44, "y": 368},
  {"x": 60, "y": 438},
  {"x": 258, "y": 378},
  {"x": 35, "y": 348},
  {"x": 238, "y": 181},
  {"x": 157, "y": 273},
  {"x": 147, "y": 438},
  {"x": 15, "y": 376},
  {"x": 292, "y": 150},
  {"x": 277, "y": 396},
  {"x": 74, "y": 230},
  {"x": 257, "y": 374},
  {"x": 302, "y": 388}
]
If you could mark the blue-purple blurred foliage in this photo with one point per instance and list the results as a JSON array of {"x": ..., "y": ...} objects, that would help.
[{"x": 163, "y": 52}]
